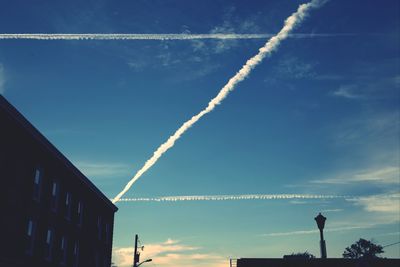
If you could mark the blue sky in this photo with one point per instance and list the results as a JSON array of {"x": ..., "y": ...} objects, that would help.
[{"x": 320, "y": 116}]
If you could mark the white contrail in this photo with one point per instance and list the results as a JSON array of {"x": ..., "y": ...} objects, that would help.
[
  {"x": 168, "y": 36},
  {"x": 229, "y": 197},
  {"x": 267, "y": 49},
  {"x": 348, "y": 198}
]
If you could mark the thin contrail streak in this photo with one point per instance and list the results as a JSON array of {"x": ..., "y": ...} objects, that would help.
[
  {"x": 313, "y": 231},
  {"x": 168, "y": 36},
  {"x": 229, "y": 197},
  {"x": 267, "y": 49},
  {"x": 347, "y": 198}
]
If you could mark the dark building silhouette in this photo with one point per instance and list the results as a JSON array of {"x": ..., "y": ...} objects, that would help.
[
  {"x": 51, "y": 214},
  {"x": 317, "y": 262}
]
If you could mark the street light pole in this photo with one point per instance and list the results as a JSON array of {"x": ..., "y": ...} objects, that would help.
[
  {"x": 136, "y": 254},
  {"x": 149, "y": 260},
  {"x": 320, "y": 219}
]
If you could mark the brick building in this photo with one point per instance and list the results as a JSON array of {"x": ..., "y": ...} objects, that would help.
[{"x": 52, "y": 215}]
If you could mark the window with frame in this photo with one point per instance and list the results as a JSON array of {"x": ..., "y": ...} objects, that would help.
[
  {"x": 80, "y": 213},
  {"x": 99, "y": 230},
  {"x": 76, "y": 255},
  {"x": 37, "y": 181},
  {"x": 63, "y": 250},
  {"x": 30, "y": 236},
  {"x": 106, "y": 262},
  {"x": 107, "y": 233},
  {"x": 68, "y": 204},
  {"x": 48, "y": 251},
  {"x": 55, "y": 188},
  {"x": 96, "y": 259}
]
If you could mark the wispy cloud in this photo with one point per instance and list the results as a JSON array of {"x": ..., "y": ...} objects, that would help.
[
  {"x": 368, "y": 85},
  {"x": 166, "y": 57},
  {"x": 383, "y": 175},
  {"x": 103, "y": 170},
  {"x": 359, "y": 130},
  {"x": 329, "y": 77},
  {"x": 347, "y": 91},
  {"x": 229, "y": 25},
  {"x": 67, "y": 131},
  {"x": 169, "y": 253},
  {"x": 292, "y": 67},
  {"x": 389, "y": 234},
  {"x": 136, "y": 65},
  {"x": 388, "y": 203},
  {"x": 396, "y": 80},
  {"x": 2, "y": 79},
  {"x": 298, "y": 202},
  {"x": 331, "y": 210},
  {"x": 378, "y": 211},
  {"x": 289, "y": 70},
  {"x": 307, "y": 232}
]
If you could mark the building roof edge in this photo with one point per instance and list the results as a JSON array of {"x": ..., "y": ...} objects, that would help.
[{"x": 35, "y": 133}]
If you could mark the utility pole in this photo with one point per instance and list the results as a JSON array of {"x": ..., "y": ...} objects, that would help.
[{"x": 135, "y": 255}]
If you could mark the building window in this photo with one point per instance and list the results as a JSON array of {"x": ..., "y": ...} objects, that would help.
[
  {"x": 54, "y": 196},
  {"x": 30, "y": 236},
  {"x": 106, "y": 262},
  {"x": 76, "y": 255},
  {"x": 107, "y": 237},
  {"x": 37, "y": 184},
  {"x": 63, "y": 250},
  {"x": 68, "y": 206},
  {"x": 97, "y": 259},
  {"x": 80, "y": 213},
  {"x": 99, "y": 230},
  {"x": 49, "y": 244}
]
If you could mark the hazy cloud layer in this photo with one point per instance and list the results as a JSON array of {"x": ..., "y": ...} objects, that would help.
[
  {"x": 103, "y": 169},
  {"x": 168, "y": 254}
]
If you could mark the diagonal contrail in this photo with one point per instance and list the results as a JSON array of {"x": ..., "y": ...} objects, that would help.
[
  {"x": 230, "y": 197},
  {"x": 167, "y": 36},
  {"x": 290, "y": 23}
]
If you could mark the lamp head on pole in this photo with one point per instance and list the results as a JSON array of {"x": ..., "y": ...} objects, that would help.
[
  {"x": 148, "y": 260},
  {"x": 320, "y": 219}
]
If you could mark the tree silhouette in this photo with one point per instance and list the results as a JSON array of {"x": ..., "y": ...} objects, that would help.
[{"x": 362, "y": 249}]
